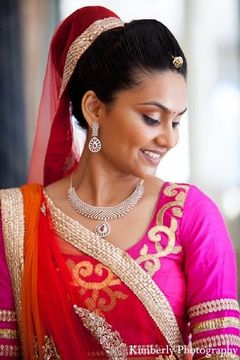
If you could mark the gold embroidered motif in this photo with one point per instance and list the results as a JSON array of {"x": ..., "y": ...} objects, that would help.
[
  {"x": 217, "y": 340},
  {"x": 82, "y": 43},
  {"x": 215, "y": 324},
  {"x": 7, "y": 315},
  {"x": 49, "y": 349},
  {"x": 9, "y": 350},
  {"x": 213, "y": 306},
  {"x": 13, "y": 233},
  {"x": 110, "y": 340},
  {"x": 123, "y": 266},
  {"x": 96, "y": 302},
  {"x": 151, "y": 262},
  {"x": 8, "y": 334}
]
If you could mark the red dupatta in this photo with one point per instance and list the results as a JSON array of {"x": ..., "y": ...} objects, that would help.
[{"x": 45, "y": 311}]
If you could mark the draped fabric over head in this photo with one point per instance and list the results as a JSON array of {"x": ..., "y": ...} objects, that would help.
[{"x": 54, "y": 153}]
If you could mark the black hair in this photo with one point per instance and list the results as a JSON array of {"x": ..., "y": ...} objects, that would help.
[{"x": 118, "y": 56}]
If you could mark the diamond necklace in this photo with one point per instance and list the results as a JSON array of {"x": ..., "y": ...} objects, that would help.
[{"x": 104, "y": 212}]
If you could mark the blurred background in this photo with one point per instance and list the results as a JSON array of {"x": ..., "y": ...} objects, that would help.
[{"x": 208, "y": 154}]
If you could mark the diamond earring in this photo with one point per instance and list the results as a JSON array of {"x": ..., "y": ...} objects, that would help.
[{"x": 95, "y": 144}]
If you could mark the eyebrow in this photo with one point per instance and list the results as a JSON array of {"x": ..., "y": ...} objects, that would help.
[{"x": 162, "y": 107}]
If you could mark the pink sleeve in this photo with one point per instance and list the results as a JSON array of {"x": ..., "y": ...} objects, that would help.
[
  {"x": 9, "y": 339},
  {"x": 211, "y": 276}
]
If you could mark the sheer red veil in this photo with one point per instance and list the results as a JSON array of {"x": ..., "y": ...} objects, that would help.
[{"x": 54, "y": 152}]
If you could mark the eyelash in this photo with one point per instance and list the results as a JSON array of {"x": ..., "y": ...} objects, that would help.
[
  {"x": 175, "y": 124},
  {"x": 151, "y": 122}
]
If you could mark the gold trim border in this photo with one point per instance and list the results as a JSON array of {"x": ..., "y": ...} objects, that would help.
[
  {"x": 7, "y": 315},
  {"x": 83, "y": 42},
  {"x": 13, "y": 234},
  {"x": 102, "y": 331},
  {"x": 213, "y": 306},
  {"x": 217, "y": 340},
  {"x": 9, "y": 350},
  {"x": 216, "y": 324},
  {"x": 8, "y": 334}
]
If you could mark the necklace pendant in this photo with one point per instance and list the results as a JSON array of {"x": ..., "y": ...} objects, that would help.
[{"x": 103, "y": 229}]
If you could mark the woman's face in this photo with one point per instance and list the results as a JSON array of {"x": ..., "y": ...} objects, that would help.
[{"x": 143, "y": 124}]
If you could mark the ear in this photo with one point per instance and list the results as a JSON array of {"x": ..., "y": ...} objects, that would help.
[{"x": 91, "y": 107}]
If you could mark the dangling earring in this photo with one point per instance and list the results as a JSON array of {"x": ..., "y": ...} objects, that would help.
[{"x": 95, "y": 144}]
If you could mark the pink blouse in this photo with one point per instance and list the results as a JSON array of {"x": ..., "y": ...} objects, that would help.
[{"x": 188, "y": 253}]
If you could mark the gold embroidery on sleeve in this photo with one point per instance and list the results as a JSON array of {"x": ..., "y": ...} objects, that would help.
[
  {"x": 8, "y": 334},
  {"x": 102, "y": 298},
  {"x": 217, "y": 340},
  {"x": 151, "y": 262},
  {"x": 13, "y": 233},
  {"x": 216, "y": 324},
  {"x": 110, "y": 340},
  {"x": 213, "y": 306},
  {"x": 9, "y": 350},
  {"x": 7, "y": 315}
]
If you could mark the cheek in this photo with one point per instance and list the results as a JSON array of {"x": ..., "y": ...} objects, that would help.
[{"x": 124, "y": 130}]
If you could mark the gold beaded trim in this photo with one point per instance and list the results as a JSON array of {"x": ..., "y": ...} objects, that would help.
[
  {"x": 217, "y": 340},
  {"x": 124, "y": 267},
  {"x": 215, "y": 324},
  {"x": 82, "y": 43},
  {"x": 213, "y": 306},
  {"x": 110, "y": 340},
  {"x": 9, "y": 350},
  {"x": 49, "y": 349},
  {"x": 13, "y": 233},
  {"x": 8, "y": 334},
  {"x": 7, "y": 315}
]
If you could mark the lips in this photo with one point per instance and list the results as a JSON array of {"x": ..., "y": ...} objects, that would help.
[{"x": 153, "y": 156}]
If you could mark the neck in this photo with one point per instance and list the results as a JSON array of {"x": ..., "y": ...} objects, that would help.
[{"x": 98, "y": 183}]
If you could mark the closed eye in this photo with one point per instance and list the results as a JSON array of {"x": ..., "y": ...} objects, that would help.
[{"x": 150, "y": 121}]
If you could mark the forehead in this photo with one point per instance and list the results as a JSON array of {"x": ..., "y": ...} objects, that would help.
[{"x": 169, "y": 88}]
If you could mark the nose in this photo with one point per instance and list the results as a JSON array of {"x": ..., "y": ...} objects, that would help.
[{"x": 167, "y": 137}]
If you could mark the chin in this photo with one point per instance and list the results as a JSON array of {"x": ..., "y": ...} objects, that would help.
[
  {"x": 146, "y": 172},
  {"x": 147, "y": 166}
]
